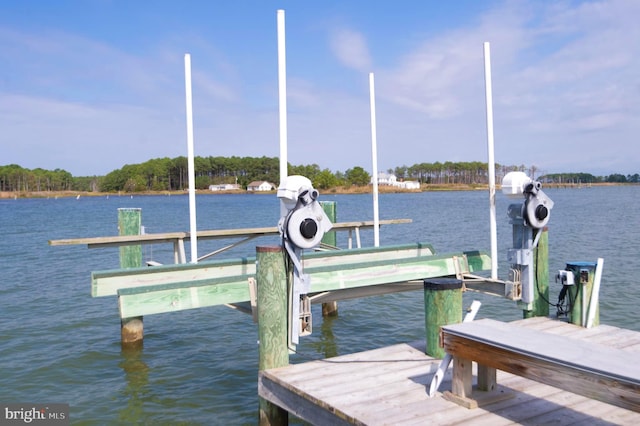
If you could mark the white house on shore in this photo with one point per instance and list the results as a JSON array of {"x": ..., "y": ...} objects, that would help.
[
  {"x": 224, "y": 187},
  {"x": 391, "y": 180},
  {"x": 260, "y": 185}
]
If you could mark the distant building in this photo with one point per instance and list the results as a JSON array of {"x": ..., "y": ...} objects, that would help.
[
  {"x": 224, "y": 187},
  {"x": 258, "y": 186},
  {"x": 409, "y": 184},
  {"x": 392, "y": 180},
  {"x": 386, "y": 179}
]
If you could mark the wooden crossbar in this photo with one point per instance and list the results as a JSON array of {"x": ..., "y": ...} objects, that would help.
[
  {"x": 140, "y": 301},
  {"x": 123, "y": 240},
  {"x": 335, "y": 275},
  {"x": 107, "y": 283},
  {"x": 598, "y": 372}
]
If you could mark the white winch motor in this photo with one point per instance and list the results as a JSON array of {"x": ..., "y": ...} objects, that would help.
[{"x": 302, "y": 225}]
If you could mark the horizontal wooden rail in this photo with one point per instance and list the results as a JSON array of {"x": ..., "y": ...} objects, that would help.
[
  {"x": 335, "y": 275},
  {"x": 107, "y": 283},
  {"x": 595, "y": 371},
  {"x": 117, "y": 241},
  {"x": 140, "y": 301}
]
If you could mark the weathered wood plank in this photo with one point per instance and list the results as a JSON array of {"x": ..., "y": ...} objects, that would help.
[
  {"x": 368, "y": 383},
  {"x": 397, "y": 393},
  {"x": 528, "y": 397},
  {"x": 328, "y": 269},
  {"x": 331, "y": 277},
  {"x": 297, "y": 403},
  {"x": 595, "y": 371},
  {"x": 107, "y": 283},
  {"x": 353, "y": 273},
  {"x": 341, "y": 365},
  {"x": 167, "y": 237},
  {"x": 175, "y": 297}
]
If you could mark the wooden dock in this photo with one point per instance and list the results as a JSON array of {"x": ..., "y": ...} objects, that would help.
[{"x": 389, "y": 386}]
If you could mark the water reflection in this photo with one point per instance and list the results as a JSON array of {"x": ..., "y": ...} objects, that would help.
[
  {"x": 326, "y": 344},
  {"x": 137, "y": 376}
]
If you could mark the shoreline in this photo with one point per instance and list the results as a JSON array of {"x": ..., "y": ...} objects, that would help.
[{"x": 383, "y": 189}]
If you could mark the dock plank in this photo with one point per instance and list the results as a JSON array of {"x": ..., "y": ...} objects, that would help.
[{"x": 389, "y": 386}]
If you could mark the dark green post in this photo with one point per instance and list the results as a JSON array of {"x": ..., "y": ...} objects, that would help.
[
  {"x": 330, "y": 309},
  {"x": 442, "y": 306},
  {"x": 130, "y": 223},
  {"x": 581, "y": 292},
  {"x": 541, "y": 277},
  {"x": 329, "y": 208},
  {"x": 271, "y": 282}
]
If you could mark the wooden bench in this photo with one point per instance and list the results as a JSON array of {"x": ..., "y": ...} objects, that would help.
[{"x": 589, "y": 369}]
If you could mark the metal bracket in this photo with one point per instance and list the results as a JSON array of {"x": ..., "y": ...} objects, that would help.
[{"x": 300, "y": 322}]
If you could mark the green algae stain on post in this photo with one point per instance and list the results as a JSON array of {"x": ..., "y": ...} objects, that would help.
[
  {"x": 540, "y": 303},
  {"x": 130, "y": 223},
  {"x": 329, "y": 208},
  {"x": 442, "y": 306}
]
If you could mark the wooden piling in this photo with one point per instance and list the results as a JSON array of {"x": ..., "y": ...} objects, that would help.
[
  {"x": 442, "y": 306},
  {"x": 581, "y": 292},
  {"x": 129, "y": 223},
  {"x": 271, "y": 281},
  {"x": 330, "y": 309},
  {"x": 541, "y": 278},
  {"x": 329, "y": 208}
]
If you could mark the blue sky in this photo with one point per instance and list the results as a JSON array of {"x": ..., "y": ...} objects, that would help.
[{"x": 89, "y": 86}]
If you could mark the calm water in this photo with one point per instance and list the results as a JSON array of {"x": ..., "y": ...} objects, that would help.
[{"x": 200, "y": 367}]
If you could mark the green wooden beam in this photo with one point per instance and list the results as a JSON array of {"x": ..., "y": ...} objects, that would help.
[
  {"x": 333, "y": 277},
  {"x": 328, "y": 272},
  {"x": 173, "y": 297},
  {"x": 107, "y": 283}
]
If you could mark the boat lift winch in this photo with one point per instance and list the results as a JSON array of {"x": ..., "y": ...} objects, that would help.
[
  {"x": 526, "y": 218},
  {"x": 302, "y": 225}
]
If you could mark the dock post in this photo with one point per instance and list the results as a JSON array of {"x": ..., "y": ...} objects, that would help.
[
  {"x": 330, "y": 309},
  {"x": 271, "y": 281},
  {"x": 129, "y": 223},
  {"x": 581, "y": 292},
  {"x": 442, "y": 306},
  {"x": 541, "y": 277}
]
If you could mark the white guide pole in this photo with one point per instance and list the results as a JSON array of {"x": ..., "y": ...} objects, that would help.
[
  {"x": 374, "y": 156},
  {"x": 492, "y": 163},
  {"x": 595, "y": 293},
  {"x": 282, "y": 95},
  {"x": 444, "y": 364},
  {"x": 190, "y": 162}
]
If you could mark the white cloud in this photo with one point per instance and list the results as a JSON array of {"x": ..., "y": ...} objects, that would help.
[{"x": 350, "y": 47}]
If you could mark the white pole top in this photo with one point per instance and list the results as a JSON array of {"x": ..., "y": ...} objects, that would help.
[
  {"x": 190, "y": 161},
  {"x": 282, "y": 94},
  {"x": 492, "y": 163}
]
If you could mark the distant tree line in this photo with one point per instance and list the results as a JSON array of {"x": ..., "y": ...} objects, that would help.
[
  {"x": 576, "y": 178},
  {"x": 16, "y": 178},
  {"x": 166, "y": 174}
]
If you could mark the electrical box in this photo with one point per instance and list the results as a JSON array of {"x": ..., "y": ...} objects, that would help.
[{"x": 565, "y": 277}]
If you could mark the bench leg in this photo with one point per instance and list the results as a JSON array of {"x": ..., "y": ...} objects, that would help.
[
  {"x": 486, "y": 378},
  {"x": 462, "y": 384}
]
